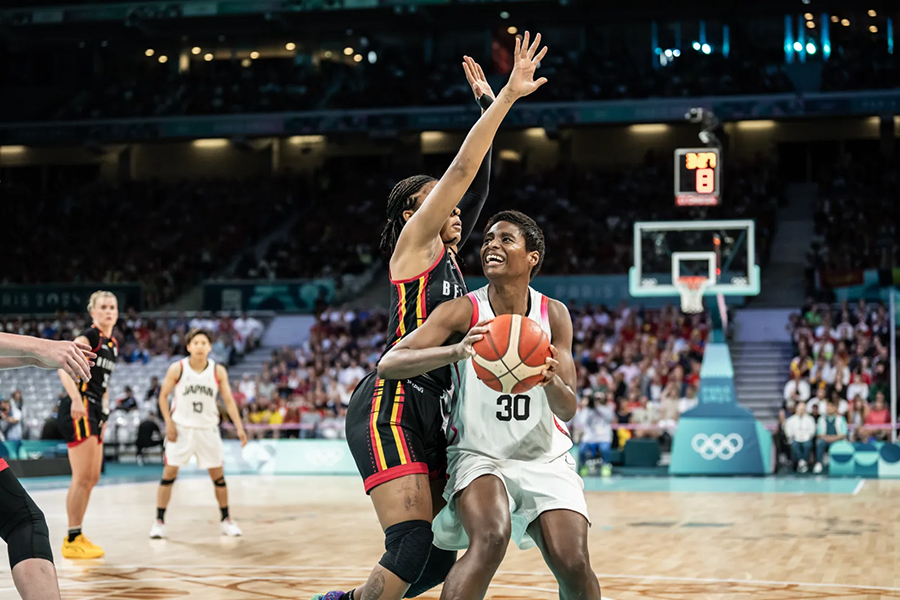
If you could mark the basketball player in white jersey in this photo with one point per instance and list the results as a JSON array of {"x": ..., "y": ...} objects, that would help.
[
  {"x": 192, "y": 425},
  {"x": 510, "y": 472}
]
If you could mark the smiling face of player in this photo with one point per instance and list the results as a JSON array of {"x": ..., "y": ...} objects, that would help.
[{"x": 504, "y": 254}]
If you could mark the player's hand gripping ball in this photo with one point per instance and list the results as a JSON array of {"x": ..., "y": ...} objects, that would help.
[{"x": 512, "y": 354}]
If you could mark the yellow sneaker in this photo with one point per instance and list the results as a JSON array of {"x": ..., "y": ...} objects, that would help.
[{"x": 81, "y": 547}]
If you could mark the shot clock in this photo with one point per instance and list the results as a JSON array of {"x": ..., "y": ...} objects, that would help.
[{"x": 697, "y": 176}]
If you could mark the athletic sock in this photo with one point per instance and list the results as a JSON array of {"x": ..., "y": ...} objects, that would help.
[
  {"x": 161, "y": 515},
  {"x": 224, "y": 510},
  {"x": 74, "y": 532},
  {"x": 348, "y": 595}
]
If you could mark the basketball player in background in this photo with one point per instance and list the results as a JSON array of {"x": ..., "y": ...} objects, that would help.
[
  {"x": 82, "y": 419},
  {"x": 192, "y": 425},
  {"x": 394, "y": 427},
  {"x": 22, "y": 524},
  {"x": 510, "y": 474}
]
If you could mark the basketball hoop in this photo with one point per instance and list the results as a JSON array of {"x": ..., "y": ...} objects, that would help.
[{"x": 691, "y": 289}]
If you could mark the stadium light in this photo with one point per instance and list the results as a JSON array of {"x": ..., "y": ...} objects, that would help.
[
  {"x": 254, "y": 55},
  {"x": 668, "y": 53},
  {"x": 211, "y": 143},
  {"x": 798, "y": 47},
  {"x": 12, "y": 149},
  {"x": 872, "y": 13},
  {"x": 149, "y": 52},
  {"x": 676, "y": 52},
  {"x": 810, "y": 48},
  {"x": 749, "y": 125},
  {"x": 649, "y": 128},
  {"x": 808, "y": 16},
  {"x": 328, "y": 54},
  {"x": 696, "y": 46},
  {"x": 290, "y": 46},
  {"x": 835, "y": 19},
  {"x": 357, "y": 58},
  {"x": 873, "y": 28},
  {"x": 208, "y": 56},
  {"x": 163, "y": 59},
  {"x": 512, "y": 30},
  {"x": 845, "y": 22},
  {"x": 348, "y": 51},
  {"x": 373, "y": 58},
  {"x": 246, "y": 62},
  {"x": 504, "y": 15},
  {"x": 195, "y": 50},
  {"x": 810, "y": 24},
  {"x": 706, "y": 48}
]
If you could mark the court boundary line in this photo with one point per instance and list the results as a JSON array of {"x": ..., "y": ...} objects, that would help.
[
  {"x": 859, "y": 486},
  {"x": 601, "y": 576}
]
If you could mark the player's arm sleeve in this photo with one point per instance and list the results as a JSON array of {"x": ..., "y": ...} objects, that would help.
[
  {"x": 472, "y": 202},
  {"x": 423, "y": 350}
]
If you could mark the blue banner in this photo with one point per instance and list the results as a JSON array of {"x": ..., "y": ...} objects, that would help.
[
  {"x": 280, "y": 296},
  {"x": 287, "y": 457}
]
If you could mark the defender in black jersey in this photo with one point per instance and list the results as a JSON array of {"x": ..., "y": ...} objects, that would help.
[
  {"x": 82, "y": 415},
  {"x": 394, "y": 428}
]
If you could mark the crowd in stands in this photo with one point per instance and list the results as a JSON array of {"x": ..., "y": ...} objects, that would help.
[
  {"x": 856, "y": 220},
  {"x": 141, "y": 337},
  {"x": 167, "y": 237},
  {"x": 839, "y": 377}
]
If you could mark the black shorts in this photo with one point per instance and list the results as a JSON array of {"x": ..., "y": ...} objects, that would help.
[
  {"x": 17, "y": 508},
  {"x": 76, "y": 432},
  {"x": 395, "y": 428}
]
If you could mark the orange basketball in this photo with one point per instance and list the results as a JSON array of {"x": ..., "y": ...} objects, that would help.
[{"x": 512, "y": 354}]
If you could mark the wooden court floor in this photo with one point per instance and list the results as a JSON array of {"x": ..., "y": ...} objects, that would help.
[{"x": 304, "y": 535}]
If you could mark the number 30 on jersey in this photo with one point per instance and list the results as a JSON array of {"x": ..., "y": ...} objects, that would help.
[{"x": 516, "y": 407}]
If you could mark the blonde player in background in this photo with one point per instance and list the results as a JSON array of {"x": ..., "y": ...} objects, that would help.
[{"x": 192, "y": 425}]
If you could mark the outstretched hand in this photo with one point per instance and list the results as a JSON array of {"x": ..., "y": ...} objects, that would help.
[
  {"x": 475, "y": 77},
  {"x": 75, "y": 358},
  {"x": 521, "y": 80}
]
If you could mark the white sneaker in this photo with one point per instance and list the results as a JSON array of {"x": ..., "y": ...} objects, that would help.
[
  {"x": 817, "y": 468},
  {"x": 158, "y": 531},
  {"x": 230, "y": 528},
  {"x": 802, "y": 467}
]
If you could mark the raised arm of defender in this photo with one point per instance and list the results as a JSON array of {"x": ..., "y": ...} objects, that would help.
[{"x": 420, "y": 232}]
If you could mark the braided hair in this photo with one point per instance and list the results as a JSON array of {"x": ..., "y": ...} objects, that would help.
[{"x": 400, "y": 200}]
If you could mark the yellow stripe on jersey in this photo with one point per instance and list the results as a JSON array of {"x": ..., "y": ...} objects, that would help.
[
  {"x": 376, "y": 407},
  {"x": 398, "y": 397},
  {"x": 420, "y": 301},
  {"x": 401, "y": 307}
]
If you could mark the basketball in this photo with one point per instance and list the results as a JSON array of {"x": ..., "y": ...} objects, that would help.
[{"x": 511, "y": 356}]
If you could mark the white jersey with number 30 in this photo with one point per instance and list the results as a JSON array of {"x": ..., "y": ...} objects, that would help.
[
  {"x": 504, "y": 426},
  {"x": 194, "y": 402}
]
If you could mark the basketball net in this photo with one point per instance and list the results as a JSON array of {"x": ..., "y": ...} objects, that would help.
[{"x": 691, "y": 289}]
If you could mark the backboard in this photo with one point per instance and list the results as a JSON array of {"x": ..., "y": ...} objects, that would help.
[{"x": 665, "y": 252}]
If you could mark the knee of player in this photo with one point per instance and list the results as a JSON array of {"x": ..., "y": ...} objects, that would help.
[
  {"x": 572, "y": 566},
  {"x": 407, "y": 547},
  {"x": 491, "y": 541},
  {"x": 164, "y": 482},
  {"x": 31, "y": 537},
  {"x": 219, "y": 482}
]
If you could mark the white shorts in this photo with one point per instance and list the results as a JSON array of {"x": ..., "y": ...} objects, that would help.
[
  {"x": 205, "y": 444},
  {"x": 532, "y": 488}
]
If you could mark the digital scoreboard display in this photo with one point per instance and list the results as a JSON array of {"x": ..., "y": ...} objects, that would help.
[{"x": 697, "y": 176}]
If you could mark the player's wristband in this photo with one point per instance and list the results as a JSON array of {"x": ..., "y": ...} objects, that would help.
[{"x": 485, "y": 101}]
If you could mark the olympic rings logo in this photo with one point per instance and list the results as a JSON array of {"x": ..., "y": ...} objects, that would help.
[{"x": 717, "y": 445}]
